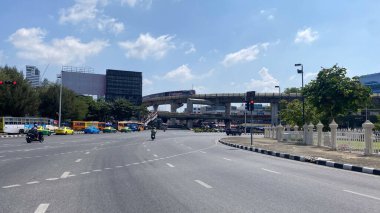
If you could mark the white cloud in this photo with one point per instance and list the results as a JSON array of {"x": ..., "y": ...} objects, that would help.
[
  {"x": 69, "y": 50},
  {"x": 132, "y": 3},
  {"x": 147, "y": 46},
  {"x": 306, "y": 36},
  {"x": 244, "y": 55},
  {"x": 202, "y": 59},
  {"x": 110, "y": 24},
  {"x": 267, "y": 82},
  {"x": 291, "y": 78},
  {"x": 182, "y": 73},
  {"x": 269, "y": 13},
  {"x": 90, "y": 12},
  {"x": 191, "y": 49},
  {"x": 147, "y": 82}
]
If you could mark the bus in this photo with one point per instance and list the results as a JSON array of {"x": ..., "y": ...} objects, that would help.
[
  {"x": 19, "y": 125},
  {"x": 133, "y": 125},
  {"x": 81, "y": 125}
]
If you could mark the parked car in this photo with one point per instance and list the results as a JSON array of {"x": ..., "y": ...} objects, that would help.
[
  {"x": 126, "y": 129},
  {"x": 91, "y": 130},
  {"x": 64, "y": 131},
  {"x": 109, "y": 130},
  {"x": 233, "y": 131},
  {"x": 44, "y": 131}
]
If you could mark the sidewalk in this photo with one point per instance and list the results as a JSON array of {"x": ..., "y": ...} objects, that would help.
[{"x": 311, "y": 152}]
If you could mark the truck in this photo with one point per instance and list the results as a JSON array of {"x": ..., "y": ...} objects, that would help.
[{"x": 233, "y": 131}]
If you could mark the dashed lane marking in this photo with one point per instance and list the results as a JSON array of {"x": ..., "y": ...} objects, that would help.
[
  {"x": 97, "y": 170},
  {"x": 148, "y": 150},
  {"x": 42, "y": 208},
  {"x": 52, "y": 179},
  {"x": 156, "y": 156},
  {"x": 78, "y": 160},
  {"x": 363, "y": 195},
  {"x": 227, "y": 159},
  {"x": 32, "y": 182},
  {"x": 170, "y": 165},
  {"x": 65, "y": 175},
  {"x": 83, "y": 173},
  {"x": 11, "y": 186},
  {"x": 119, "y": 166},
  {"x": 107, "y": 168},
  {"x": 87, "y": 153},
  {"x": 203, "y": 152},
  {"x": 203, "y": 184},
  {"x": 270, "y": 171}
]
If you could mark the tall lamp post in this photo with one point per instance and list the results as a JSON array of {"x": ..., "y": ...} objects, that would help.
[
  {"x": 60, "y": 101},
  {"x": 279, "y": 94},
  {"x": 300, "y": 71}
]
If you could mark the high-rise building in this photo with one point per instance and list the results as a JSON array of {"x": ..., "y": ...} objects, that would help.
[
  {"x": 33, "y": 75},
  {"x": 124, "y": 84},
  {"x": 372, "y": 81}
]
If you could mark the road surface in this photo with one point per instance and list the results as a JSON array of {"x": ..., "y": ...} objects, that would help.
[{"x": 180, "y": 171}]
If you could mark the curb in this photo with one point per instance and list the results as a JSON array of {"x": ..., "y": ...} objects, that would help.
[
  {"x": 332, "y": 164},
  {"x": 12, "y": 136}
]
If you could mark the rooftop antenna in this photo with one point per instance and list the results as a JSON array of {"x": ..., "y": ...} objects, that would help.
[{"x": 45, "y": 71}]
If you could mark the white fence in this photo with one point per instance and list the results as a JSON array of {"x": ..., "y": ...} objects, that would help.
[{"x": 346, "y": 140}]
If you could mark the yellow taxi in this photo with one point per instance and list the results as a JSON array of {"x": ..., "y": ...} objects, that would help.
[{"x": 64, "y": 131}]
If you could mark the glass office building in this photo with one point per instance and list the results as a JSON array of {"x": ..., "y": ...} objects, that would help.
[
  {"x": 372, "y": 81},
  {"x": 124, "y": 84},
  {"x": 33, "y": 75}
]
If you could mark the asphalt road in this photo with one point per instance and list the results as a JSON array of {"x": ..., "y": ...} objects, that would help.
[{"x": 180, "y": 171}]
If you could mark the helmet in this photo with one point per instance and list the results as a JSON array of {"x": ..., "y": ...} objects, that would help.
[{"x": 35, "y": 124}]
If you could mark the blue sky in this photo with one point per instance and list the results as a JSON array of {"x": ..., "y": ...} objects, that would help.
[{"x": 212, "y": 46}]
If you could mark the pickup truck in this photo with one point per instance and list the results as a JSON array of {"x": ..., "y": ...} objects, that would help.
[{"x": 233, "y": 131}]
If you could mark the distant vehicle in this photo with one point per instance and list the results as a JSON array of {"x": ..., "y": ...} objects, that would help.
[
  {"x": 30, "y": 136},
  {"x": 233, "y": 131},
  {"x": 64, "y": 131},
  {"x": 82, "y": 125},
  {"x": 19, "y": 125},
  {"x": 125, "y": 129},
  {"x": 44, "y": 131},
  {"x": 109, "y": 130},
  {"x": 91, "y": 130}
]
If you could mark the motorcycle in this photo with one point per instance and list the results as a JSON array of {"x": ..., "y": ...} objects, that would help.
[
  {"x": 30, "y": 136},
  {"x": 153, "y": 135}
]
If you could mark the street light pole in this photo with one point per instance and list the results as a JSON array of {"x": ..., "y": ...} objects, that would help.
[
  {"x": 279, "y": 95},
  {"x": 60, "y": 102},
  {"x": 300, "y": 71}
]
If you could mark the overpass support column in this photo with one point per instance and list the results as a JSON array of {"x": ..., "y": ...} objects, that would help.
[
  {"x": 190, "y": 124},
  {"x": 227, "y": 111},
  {"x": 189, "y": 108},
  {"x": 274, "y": 113},
  {"x": 155, "y": 107},
  {"x": 173, "y": 109}
]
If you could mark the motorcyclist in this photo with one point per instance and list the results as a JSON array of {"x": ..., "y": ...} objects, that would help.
[
  {"x": 34, "y": 130},
  {"x": 153, "y": 132}
]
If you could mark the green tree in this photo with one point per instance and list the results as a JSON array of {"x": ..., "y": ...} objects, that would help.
[
  {"x": 292, "y": 90},
  {"x": 122, "y": 109},
  {"x": 17, "y": 100},
  {"x": 291, "y": 113},
  {"x": 99, "y": 110},
  {"x": 74, "y": 107},
  {"x": 333, "y": 94}
]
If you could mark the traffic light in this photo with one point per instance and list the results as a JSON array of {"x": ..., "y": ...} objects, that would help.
[
  {"x": 8, "y": 82},
  {"x": 251, "y": 105}
]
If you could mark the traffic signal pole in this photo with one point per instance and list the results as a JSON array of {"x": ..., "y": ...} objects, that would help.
[{"x": 251, "y": 127}]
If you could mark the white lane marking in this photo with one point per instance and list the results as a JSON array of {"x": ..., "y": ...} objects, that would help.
[
  {"x": 65, "y": 174},
  {"x": 136, "y": 163},
  {"x": 203, "y": 184},
  {"x": 170, "y": 165},
  {"x": 83, "y": 173},
  {"x": 42, "y": 208},
  {"x": 11, "y": 186},
  {"x": 32, "y": 182},
  {"x": 144, "y": 145},
  {"x": 71, "y": 175},
  {"x": 203, "y": 152},
  {"x": 360, "y": 194},
  {"x": 87, "y": 153},
  {"x": 78, "y": 160},
  {"x": 52, "y": 179},
  {"x": 119, "y": 166},
  {"x": 2, "y": 156},
  {"x": 97, "y": 170},
  {"x": 156, "y": 156},
  {"x": 148, "y": 150},
  {"x": 107, "y": 168},
  {"x": 227, "y": 159},
  {"x": 270, "y": 171}
]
